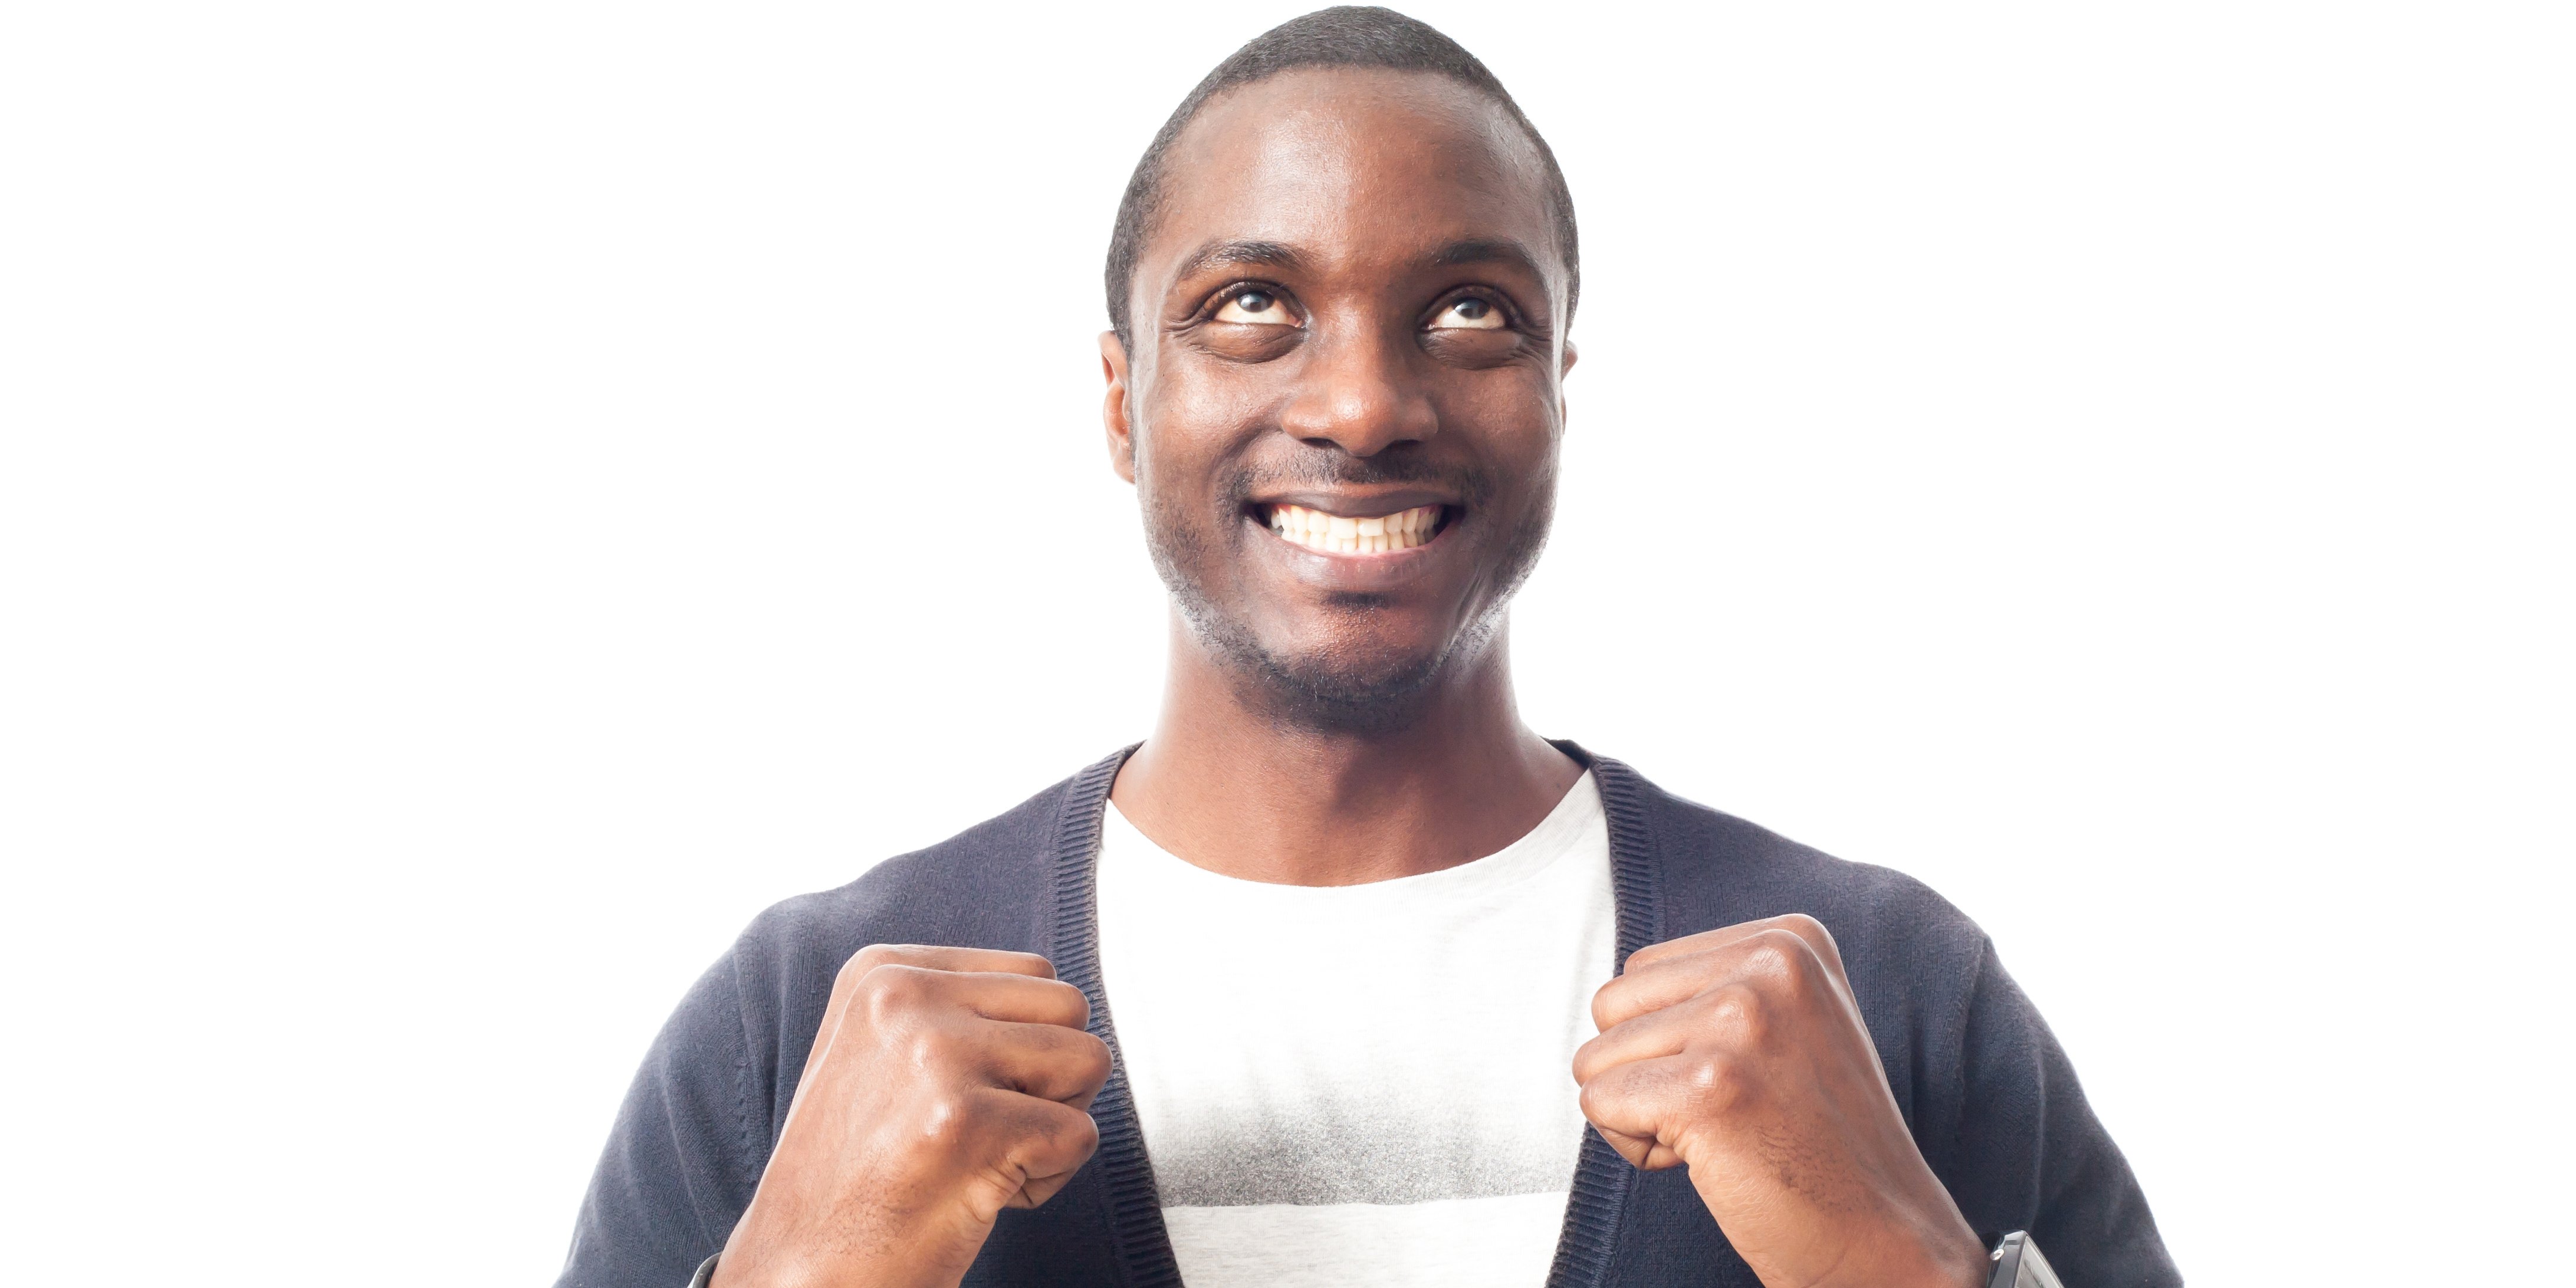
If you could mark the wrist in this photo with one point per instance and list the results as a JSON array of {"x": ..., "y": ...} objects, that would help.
[
  {"x": 1903, "y": 1261},
  {"x": 1942, "y": 1258},
  {"x": 786, "y": 1245},
  {"x": 1963, "y": 1261}
]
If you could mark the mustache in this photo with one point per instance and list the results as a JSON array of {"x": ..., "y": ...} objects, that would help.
[{"x": 1321, "y": 470}]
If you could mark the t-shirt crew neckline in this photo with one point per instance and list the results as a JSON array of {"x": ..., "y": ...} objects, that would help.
[
  {"x": 1361, "y": 1083},
  {"x": 1576, "y": 815}
]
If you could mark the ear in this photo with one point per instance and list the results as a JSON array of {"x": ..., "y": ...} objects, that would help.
[
  {"x": 1564, "y": 367},
  {"x": 1113, "y": 408}
]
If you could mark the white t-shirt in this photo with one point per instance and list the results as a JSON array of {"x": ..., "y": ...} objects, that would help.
[{"x": 1366, "y": 1084}]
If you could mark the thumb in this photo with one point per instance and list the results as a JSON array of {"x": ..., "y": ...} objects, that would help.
[
  {"x": 1626, "y": 1130},
  {"x": 1635, "y": 1150}
]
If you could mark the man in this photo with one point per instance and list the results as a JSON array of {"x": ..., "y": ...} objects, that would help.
[{"x": 1344, "y": 976}]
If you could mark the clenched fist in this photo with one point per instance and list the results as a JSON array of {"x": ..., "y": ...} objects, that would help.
[
  {"x": 945, "y": 1085},
  {"x": 1741, "y": 1053}
]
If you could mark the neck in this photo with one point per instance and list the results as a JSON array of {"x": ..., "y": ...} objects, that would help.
[{"x": 1228, "y": 786}]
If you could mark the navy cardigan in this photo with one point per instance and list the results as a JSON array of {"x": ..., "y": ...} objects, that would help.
[{"x": 1990, "y": 1098}]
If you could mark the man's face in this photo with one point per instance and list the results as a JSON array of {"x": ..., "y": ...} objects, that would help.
[{"x": 1343, "y": 401}]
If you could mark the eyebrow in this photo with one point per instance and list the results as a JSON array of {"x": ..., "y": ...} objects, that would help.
[
  {"x": 1241, "y": 254},
  {"x": 1488, "y": 251},
  {"x": 1246, "y": 253}
]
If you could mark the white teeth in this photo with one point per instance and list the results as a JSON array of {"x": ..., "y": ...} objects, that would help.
[{"x": 1336, "y": 534}]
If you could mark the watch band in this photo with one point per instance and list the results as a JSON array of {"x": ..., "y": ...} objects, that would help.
[
  {"x": 706, "y": 1271},
  {"x": 2019, "y": 1265}
]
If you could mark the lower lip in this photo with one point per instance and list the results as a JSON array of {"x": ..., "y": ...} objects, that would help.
[{"x": 1356, "y": 570}]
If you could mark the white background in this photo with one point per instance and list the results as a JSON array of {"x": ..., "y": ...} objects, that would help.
[{"x": 491, "y": 495}]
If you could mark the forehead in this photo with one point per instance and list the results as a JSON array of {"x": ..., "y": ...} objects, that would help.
[{"x": 1353, "y": 165}]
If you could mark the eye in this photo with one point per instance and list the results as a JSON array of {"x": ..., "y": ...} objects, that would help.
[
  {"x": 1254, "y": 306},
  {"x": 1468, "y": 313}
]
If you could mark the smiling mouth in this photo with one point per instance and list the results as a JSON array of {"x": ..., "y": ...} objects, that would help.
[{"x": 1335, "y": 534}]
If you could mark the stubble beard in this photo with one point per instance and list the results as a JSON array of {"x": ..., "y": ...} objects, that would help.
[{"x": 1327, "y": 690}]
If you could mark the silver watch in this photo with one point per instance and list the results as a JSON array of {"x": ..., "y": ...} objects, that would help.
[{"x": 2019, "y": 1265}]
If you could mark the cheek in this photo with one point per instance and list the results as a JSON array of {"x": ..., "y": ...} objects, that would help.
[
  {"x": 1195, "y": 413},
  {"x": 1209, "y": 391},
  {"x": 1515, "y": 417}
]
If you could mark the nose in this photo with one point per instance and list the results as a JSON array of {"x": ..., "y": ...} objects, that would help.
[{"x": 1358, "y": 391}]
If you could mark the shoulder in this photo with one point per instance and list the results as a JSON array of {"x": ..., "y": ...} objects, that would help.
[
  {"x": 986, "y": 887},
  {"x": 981, "y": 888},
  {"x": 1916, "y": 962},
  {"x": 1713, "y": 864},
  {"x": 1985, "y": 1089}
]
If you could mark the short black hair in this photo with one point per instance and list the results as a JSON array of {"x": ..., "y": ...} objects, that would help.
[{"x": 1344, "y": 36}]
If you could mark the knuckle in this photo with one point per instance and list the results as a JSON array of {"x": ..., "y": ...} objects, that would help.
[
  {"x": 1595, "y": 1097},
  {"x": 1740, "y": 1011},
  {"x": 1045, "y": 1130},
  {"x": 1061, "y": 1141},
  {"x": 1768, "y": 960},
  {"x": 1811, "y": 933},
  {"x": 1075, "y": 1132},
  {"x": 1782, "y": 945},
  {"x": 945, "y": 1122},
  {"x": 1782, "y": 955},
  {"x": 1596, "y": 1102},
  {"x": 1610, "y": 1003},
  {"x": 866, "y": 960},
  {"x": 891, "y": 990},
  {"x": 926, "y": 1049},
  {"x": 1808, "y": 928},
  {"x": 1716, "y": 1082},
  {"x": 1075, "y": 1002},
  {"x": 1093, "y": 1058},
  {"x": 1585, "y": 1057}
]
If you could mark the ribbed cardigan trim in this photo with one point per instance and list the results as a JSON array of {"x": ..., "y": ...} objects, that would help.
[
  {"x": 1601, "y": 1177},
  {"x": 1134, "y": 1211}
]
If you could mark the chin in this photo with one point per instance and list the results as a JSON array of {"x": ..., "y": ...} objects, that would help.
[
  {"x": 1352, "y": 680},
  {"x": 1329, "y": 694},
  {"x": 1348, "y": 662}
]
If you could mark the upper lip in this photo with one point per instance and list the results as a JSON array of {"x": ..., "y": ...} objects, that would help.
[{"x": 1370, "y": 504}]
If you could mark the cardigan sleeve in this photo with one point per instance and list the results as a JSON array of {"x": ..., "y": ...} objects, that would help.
[
  {"x": 685, "y": 1155},
  {"x": 2028, "y": 1154}
]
